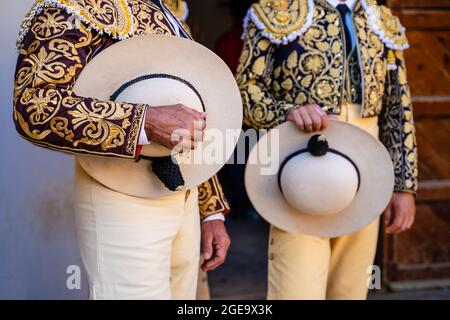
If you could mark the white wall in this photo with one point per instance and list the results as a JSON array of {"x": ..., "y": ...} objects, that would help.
[{"x": 37, "y": 236}]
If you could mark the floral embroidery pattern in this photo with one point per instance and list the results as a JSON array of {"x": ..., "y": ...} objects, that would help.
[{"x": 211, "y": 198}]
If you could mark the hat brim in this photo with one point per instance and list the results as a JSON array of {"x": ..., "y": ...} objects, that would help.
[
  {"x": 374, "y": 194},
  {"x": 161, "y": 54}
]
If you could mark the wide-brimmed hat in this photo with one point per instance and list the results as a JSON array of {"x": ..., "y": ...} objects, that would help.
[
  {"x": 328, "y": 184},
  {"x": 160, "y": 70}
]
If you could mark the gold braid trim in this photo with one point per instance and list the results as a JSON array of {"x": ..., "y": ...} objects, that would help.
[
  {"x": 385, "y": 25},
  {"x": 112, "y": 17},
  {"x": 211, "y": 199},
  {"x": 281, "y": 21}
]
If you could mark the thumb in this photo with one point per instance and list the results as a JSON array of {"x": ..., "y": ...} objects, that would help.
[
  {"x": 207, "y": 249},
  {"x": 388, "y": 215}
]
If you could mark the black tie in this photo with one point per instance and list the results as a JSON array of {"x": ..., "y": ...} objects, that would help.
[{"x": 344, "y": 10}]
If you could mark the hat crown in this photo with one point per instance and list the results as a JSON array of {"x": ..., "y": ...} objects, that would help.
[
  {"x": 319, "y": 182},
  {"x": 159, "y": 90}
]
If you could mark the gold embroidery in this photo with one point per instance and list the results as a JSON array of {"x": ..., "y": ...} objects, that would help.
[
  {"x": 211, "y": 198},
  {"x": 387, "y": 26},
  {"x": 148, "y": 18},
  {"x": 45, "y": 106},
  {"x": 42, "y": 105},
  {"x": 372, "y": 62},
  {"x": 31, "y": 133},
  {"x": 96, "y": 120},
  {"x": 281, "y": 18},
  {"x": 60, "y": 126},
  {"x": 109, "y": 16},
  {"x": 46, "y": 67},
  {"x": 261, "y": 109},
  {"x": 397, "y": 131},
  {"x": 50, "y": 25},
  {"x": 316, "y": 73}
]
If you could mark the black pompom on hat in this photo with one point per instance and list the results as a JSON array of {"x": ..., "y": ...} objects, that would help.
[{"x": 318, "y": 145}]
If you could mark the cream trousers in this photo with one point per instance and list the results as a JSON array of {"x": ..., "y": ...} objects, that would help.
[
  {"x": 313, "y": 268},
  {"x": 137, "y": 248}
]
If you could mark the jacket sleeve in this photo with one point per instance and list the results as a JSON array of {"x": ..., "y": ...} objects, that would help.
[
  {"x": 48, "y": 113},
  {"x": 397, "y": 131},
  {"x": 211, "y": 198},
  {"x": 261, "y": 109}
]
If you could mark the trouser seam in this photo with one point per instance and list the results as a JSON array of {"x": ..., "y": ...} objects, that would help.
[{"x": 98, "y": 253}]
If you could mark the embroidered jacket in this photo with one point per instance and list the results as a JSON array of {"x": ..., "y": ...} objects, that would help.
[
  {"x": 294, "y": 55},
  {"x": 57, "y": 39}
]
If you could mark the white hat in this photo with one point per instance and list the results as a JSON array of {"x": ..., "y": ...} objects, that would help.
[
  {"x": 326, "y": 185},
  {"x": 162, "y": 70}
]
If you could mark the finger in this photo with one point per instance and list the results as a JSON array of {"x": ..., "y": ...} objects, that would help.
[
  {"x": 189, "y": 138},
  {"x": 177, "y": 141},
  {"x": 195, "y": 113},
  {"x": 213, "y": 263},
  {"x": 210, "y": 265},
  {"x": 319, "y": 110},
  {"x": 325, "y": 122},
  {"x": 199, "y": 124},
  {"x": 388, "y": 215},
  {"x": 299, "y": 121},
  {"x": 316, "y": 119},
  {"x": 188, "y": 144},
  {"x": 404, "y": 226},
  {"x": 409, "y": 221},
  {"x": 396, "y": 225},
  {"x": 198, "y": 135},
  {"x": 323, "y": 115},
  {"x": 207, "y": 248},
  {"x": 399, "y": 222},
  {"x": 217, "y": 260},
  {"x": 306, "y": 119}
]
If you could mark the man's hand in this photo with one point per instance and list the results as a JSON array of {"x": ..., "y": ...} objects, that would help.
[
  {"x": 162, "y": 122},
  {"x": 400, "y": 214},
  {"x": 215, "y": 243},
  {"x": 309, "y": 118}
]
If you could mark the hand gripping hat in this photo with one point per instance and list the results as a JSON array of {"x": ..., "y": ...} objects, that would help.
[
  {"x": 327, "y": 185},
  {"x": 161, "y": 70}
]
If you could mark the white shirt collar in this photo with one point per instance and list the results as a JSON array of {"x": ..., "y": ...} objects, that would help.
[{"x": 350, "y": 3}]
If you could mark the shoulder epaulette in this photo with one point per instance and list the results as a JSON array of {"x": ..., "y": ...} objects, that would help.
[
  {"x": 281, "y": 21},
  {"x": 116, "y": 22},
  {"x": 385, "y": 25}
]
